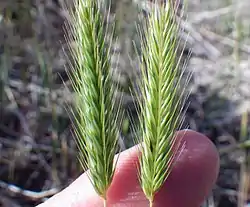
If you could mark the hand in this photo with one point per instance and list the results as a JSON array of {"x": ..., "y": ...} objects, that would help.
[{"x": 193, "y": 175}]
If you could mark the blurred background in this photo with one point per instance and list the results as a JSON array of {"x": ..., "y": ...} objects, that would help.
[{"x": 37, "y": 150}]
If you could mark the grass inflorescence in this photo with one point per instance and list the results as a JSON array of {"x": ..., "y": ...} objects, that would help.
[
  {"x": 96, "y": 112},
  {"x": 162, "y": 98}
]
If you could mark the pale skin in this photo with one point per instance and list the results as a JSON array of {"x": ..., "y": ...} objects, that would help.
[{"x": 190, "y": 182}]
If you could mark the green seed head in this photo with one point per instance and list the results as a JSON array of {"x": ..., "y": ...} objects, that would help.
[
  {"x": 162, "y": 98},
  {"x": 95, "y": 111}
]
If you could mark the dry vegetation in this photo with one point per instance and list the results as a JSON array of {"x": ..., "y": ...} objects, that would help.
[{"x": 37, "y": 151}]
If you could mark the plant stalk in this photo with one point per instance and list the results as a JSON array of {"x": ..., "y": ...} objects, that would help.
[
  {"x": 151, "y": 201},
  {"x": 105, "y": 202}
]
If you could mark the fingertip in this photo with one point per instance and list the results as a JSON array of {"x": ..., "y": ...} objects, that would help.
[{"x": 194, "y": 174}]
